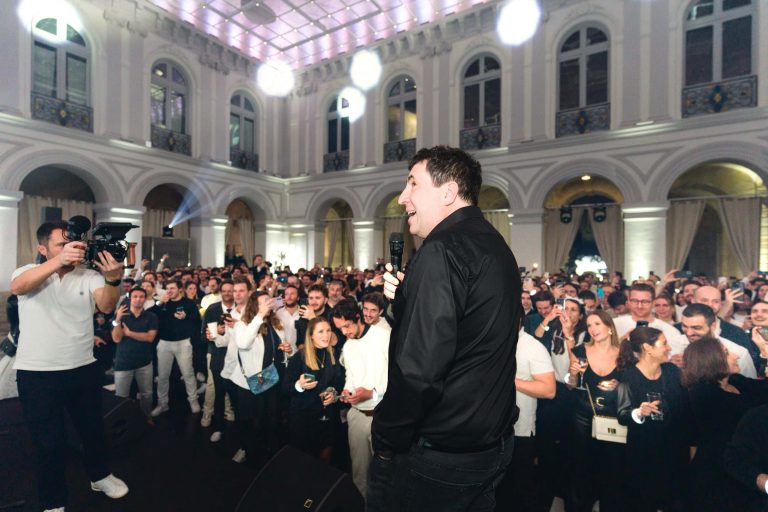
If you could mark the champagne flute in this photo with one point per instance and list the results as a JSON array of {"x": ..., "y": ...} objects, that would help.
[
  {"x": 583, "y": 363},
  {"x": 329, "y": 391}
]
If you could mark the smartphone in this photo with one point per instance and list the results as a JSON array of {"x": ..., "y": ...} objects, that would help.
[
  {"x": 309, "y": 377},
  {"x": 600, "y": 293},
  {"x": 282, "y": 279},
  {"x": 559, "y": 282},
  {"x": 303, "y": 301},
  {"x": 521, "y": 270},
  {"x": 278, "y": 302},
  {"x": 737, "y": 286},
  {"x": 763, "y": 332},
  {"x": 560, "y": 302},
  {"x": 683, "y": 274},
  {"x": 642, "y": 323},
  {"x": 226, "y": 317}
]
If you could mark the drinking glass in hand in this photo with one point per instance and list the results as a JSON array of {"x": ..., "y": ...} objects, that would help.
[
  {"x": 583, "y": 363},
  {"x": 656, "y": 396},
  {"x": 328, "y": 392}
]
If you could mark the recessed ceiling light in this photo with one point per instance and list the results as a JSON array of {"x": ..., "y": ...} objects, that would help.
[{"x": 586, "y": 177}]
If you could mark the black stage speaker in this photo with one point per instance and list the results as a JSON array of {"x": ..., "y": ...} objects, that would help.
[
  {"x": 51, "y": 213},
  {"x": 293, "y": 481},
  {"x": 123, "y": 422}
]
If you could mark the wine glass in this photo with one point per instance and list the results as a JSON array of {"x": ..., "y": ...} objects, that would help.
[
  {"x": 583, "y": 363},
  {"x": 324, "y": 396}
]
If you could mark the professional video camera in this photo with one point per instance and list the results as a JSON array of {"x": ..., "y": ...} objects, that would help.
[{"x": 106, "y": 236}]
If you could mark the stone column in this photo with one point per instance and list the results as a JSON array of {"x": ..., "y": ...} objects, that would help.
[
  {"x": 208, "y": 243},
  {"x": 367, "y": 242},
  {"x": 645, "y": 238},
  {"x": 9, "y": 227}
]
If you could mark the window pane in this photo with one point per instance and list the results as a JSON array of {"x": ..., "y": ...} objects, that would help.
[
  {"x": 701, "y": 9},
  {"x": 48, "y": 24},
  {"x": 393, "y": 123},
  {"x": 344, "y": 103},
  {"x": 76, "y": 79},
  {"x": 595, "y": 36},
  {"x": 344, "y": 133},
  {"x": 473, "y": 69},
  {"x": 333, "y": 107},
  {"x": 491, "y": 64},
  {"x": 597, "y": 78},
  {"x": 234, "y": 131},
  {"x": 333, "y": 137},
  {"x": 572, "y": 43},
  {"x": 569, "y": 84},
  {"x": 410, "y": 84},
  {"x": 737, "y": 47},
  {"x": 395, "y": 90},
  {"x": 157, "y": 113},
  {"x": 44, "y": 70},
  {"x": 74, "y": 36},
  {"x": 698, "y": 56},
  {"x": 248, "y": 105},
  {"x": 472, "y": 106},
  {"x": 235, "y": 101},
  {"x": 409, "y": 120},
  {"x": 160, "y": 70},
  {"x": 248, "y": 135},
  {"x": 178, "y": 77},
  {"x": 733, "y": 4},
  {"x": 493, "y": 101},
  {"x": 178, "y": 120}
]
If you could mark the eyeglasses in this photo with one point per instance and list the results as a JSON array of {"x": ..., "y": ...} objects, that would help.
[{"x": 637, "y": 301}]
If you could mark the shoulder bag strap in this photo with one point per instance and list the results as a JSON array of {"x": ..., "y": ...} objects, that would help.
[{"x": 591, "y": 403}]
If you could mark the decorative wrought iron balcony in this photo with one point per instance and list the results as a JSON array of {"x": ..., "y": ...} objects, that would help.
[
  {"x": 583, "y": 120},
  {"x": 168, "y": 140},
  {"x": 338, "y": 161},
  {"x": 244, "y": 159},
  {"x": 63, "y": 113},
  {"x": 399, "y": 150},
  {"x": 484, "y": 137},
  {"x": 719, "y": 97}
]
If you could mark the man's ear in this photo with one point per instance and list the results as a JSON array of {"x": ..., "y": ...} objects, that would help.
[
  {"x": 42, "y": 250},
  {"x": 450, "y": 191}
]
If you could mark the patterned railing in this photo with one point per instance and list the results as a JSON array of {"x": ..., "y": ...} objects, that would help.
[
  {"x": 62, "y": 112},
  {"x": 336, "y": 161},
  {"x": 244, "y": 159},
  {"x": 719, "y": 97},
  {"x": 583, "y": 120},
  {"x": 488, "y": 136},
  {"x": 399, "y": 150},
  {"x": 171, "y": 141}
]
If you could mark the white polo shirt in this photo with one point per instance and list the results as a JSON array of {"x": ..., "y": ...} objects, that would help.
[
  {"x": 56, "y": 321},
  {"x": 532, "y": 359}
]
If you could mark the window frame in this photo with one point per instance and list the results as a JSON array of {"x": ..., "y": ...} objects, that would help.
[
  {"x": 582, "y": 54},
  {"x": 244, "y": 114},
  {"x": 63, "y": 48},
  {"x": 480, "y": 79},
  {"x": 716, "y": 20},
  {"x": 170, "y": 87},
  {"x": 338, "y": 114},
  {"x": 399, "y": 100}
]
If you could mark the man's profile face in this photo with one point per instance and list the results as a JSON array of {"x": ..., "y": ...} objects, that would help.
[
  {"x": 695, "y": 327},
  {"x": 348, "y": 328},
  {"x": 371, "y": 313},
  {"x": 423, "y": 201},
  {"x": 316, "y": 301},
  {"x": 55, "y": 244}
]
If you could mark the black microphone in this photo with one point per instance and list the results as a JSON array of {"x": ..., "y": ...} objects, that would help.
[
  {"x": 77, "y": 227},
  {"x": 396, "y": 243}
]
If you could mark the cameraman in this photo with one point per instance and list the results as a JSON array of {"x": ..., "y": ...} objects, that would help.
[{"x": 56, "y": 368}]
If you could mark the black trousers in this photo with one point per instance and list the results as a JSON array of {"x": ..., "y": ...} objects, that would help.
[
  {"x": 221, "y": 387},
  {"x": 45, "y": 397},
  {"x": 517, "y": 491}
]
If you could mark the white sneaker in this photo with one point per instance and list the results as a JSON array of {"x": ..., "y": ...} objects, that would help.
[
  {"x": 157, "y": 411},
  {"x": 194, "y": 407},
  {"x": 239, "y": 456},
  {"x": 201, "y": 388},
  {"x": 59, "y": 509},
  {"x": 205, "y": 421},
  {"x": 229, "y": 416},
  {"x": 200, "y": 377},
  {"x": 216, "y": 437},
  {"x": 111, "y": 486}
]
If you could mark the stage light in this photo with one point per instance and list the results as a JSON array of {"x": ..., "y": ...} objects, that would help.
[
  {"x": 356, "y": 101},
  {"x": 365, "y": 70},
  {"x": 586, "y": 177},
  {"x": 275, "y": 78},
  {"x": 167, "y": 232},
  {"x": 599, "y": 213},
  {"x": 566, "y": 214},
  {"x": 518, "y": 21}
]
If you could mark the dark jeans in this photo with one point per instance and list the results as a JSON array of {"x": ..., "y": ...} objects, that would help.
[
  {"x": 517, "y": 491},
  {"x": 45, "y": 396},
  {"x": 221, "y": 387},
  {"x": 426, "y": 480}
]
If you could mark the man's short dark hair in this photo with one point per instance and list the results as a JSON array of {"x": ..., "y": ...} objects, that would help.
[
  {"x": 226, "y": 281},
  {"x": 318, "y": 288},
  {"x": 46, "y": 228},
  {"x": 175, "y": 281},
  {"x": 347, "y": 309},
  {"x": 217, "y": 279},
  {"x": 544, "y": 296},
  {"x": 375, "y": 298},
  {"x": 643, "y": 287},
  {"x": 445, "y": 164},
  {"x": 587, "y": 295},
  {"x": 700, "y": 310},
  {"x": 616, "y": 299},
  {"x": 129, "y": 280},
  {"x": 292, "y": 286},
  {"x": 137, "y": 289},
  {"x": 242, "y": 280}
]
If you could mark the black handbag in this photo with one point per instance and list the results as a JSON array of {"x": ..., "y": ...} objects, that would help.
[{"x": 8, "y": 346}]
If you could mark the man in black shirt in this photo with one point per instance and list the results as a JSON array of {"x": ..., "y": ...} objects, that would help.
[
  {"x": 134, "y": 331},
  {"x": 449, "y": 412},
  {"x": 179, "y": 321}
]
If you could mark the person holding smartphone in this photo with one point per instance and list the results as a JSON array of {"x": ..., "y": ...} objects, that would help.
[{"x": 313, "y": 381}]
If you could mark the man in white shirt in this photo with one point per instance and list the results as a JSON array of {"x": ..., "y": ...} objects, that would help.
[
  {"x": 213, "y": 296},
  {"x": 698, "y": 321},
  {"x": 640, "y": 303},
  {"x": 56, "y": 370},
  {"x": 291, "y": 304},
  {"x": 365, "y": 358}
]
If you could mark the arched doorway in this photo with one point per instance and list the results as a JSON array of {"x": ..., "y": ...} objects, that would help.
[
  {"x": 338, "y": 250},
  {"x": 245, "y": 236},
  {"x": 51, "y": 192},
  {"x": 583, "y": 229},
  {"x": 167, "y": 205},
  {"x": 713, "y": 209}
]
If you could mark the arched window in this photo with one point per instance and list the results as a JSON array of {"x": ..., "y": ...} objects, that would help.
[
  {"x": 169, "y": 93},
  {"x": 337, "y": 157},
  {"x": 60, "y": 72},
  {"x": 583, "y": 69},
  {"x": 482, "y": 93},
  {"x": 718, "y": 40},
  {"x": 243, "y": 132},
  {"x": 401, "y": 120}
]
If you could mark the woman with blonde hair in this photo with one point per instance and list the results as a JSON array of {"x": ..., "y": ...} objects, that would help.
[{"x": 314, "y": 379}]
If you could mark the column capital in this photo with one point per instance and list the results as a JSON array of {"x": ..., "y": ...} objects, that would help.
[
  {"x": 526, "y": 216},
  {"x": 210, "y": 221},
  {"x": 111, "y": 210},
  {"x": 634, "y": 212},
  {"x": 10, "y": 198},
  {"x": 368, "y": 223}
]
